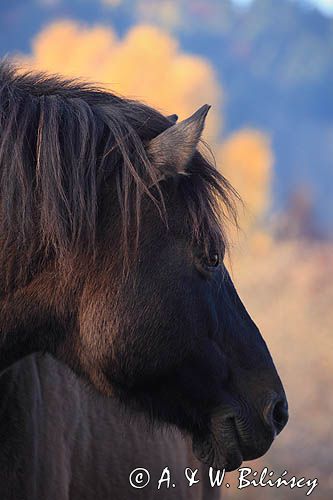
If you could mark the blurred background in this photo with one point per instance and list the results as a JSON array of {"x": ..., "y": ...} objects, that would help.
[{"x": 266, "y": 66}]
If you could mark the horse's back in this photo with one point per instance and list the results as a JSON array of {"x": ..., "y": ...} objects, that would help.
[{"x": 68, "y": 443}]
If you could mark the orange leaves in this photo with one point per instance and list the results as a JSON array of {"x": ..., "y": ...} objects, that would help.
[
  {"x": 246, "y": 159},
  {"x": 146, "y": 64}
]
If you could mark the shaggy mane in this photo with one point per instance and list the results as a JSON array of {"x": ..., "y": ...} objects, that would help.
[{"x": 59, "y": 141}]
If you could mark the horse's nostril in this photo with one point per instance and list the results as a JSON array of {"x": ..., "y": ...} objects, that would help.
[
  {"x": 277, "y": 415},
  {"x": 280, "y": 415}
]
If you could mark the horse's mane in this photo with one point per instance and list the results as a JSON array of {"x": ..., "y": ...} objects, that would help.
[{"x": 59, "y": 141}]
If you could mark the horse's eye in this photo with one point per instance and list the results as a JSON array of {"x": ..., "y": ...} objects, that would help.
[{"x": 212, "y": 261}]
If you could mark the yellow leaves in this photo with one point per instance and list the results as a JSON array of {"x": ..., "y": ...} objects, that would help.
[
  {"x": 70, "y": 49},
  {"x": 246, "y": 159},
  {"x": 146, "y": 64}
]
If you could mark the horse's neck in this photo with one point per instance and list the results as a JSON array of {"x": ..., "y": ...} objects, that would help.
[
  {"x": 16, "y": 385},
  {"x": 21, "y": 402},
  {"x": 36, "y": 427},
  {"x": 18, "y": 324},
  {"x": 16, "y": 430},
  {"x": 58, "y": 441},
  {"x": 27, "y": 324}
]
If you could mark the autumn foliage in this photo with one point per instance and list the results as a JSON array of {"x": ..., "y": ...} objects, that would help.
[
  {"x": 290, "y": 296},
  {"x": 149, "y": 65},
  {"x": 146, "y": 64},
  {"x": 247, "y": 160}
]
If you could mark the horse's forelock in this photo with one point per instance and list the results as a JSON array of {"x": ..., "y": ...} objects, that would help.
[{"x": 59, "y": 140}]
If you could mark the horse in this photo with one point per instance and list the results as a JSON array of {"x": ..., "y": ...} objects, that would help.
[
  {"x": 112, "y": 246},
  {"x": 60, "y": 441}
]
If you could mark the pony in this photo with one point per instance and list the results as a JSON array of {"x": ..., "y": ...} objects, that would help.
[
  {"x": 112, "y": 245},
  {"x": 60, "y": 440}
]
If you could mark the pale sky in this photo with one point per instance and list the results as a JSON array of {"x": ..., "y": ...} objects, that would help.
[{"x": 325, "y": 6}]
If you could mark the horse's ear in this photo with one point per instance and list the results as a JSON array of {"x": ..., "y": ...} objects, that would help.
[
  {"x": 171, "y": 151},
  {"x": 172, "y": 118}
]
